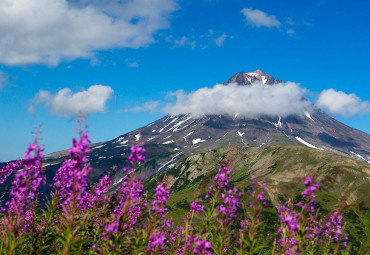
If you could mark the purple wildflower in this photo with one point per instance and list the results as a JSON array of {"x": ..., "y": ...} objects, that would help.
[
  {"x": 26, "y": 181},
  {"x": 102, "y": 187},
  {"x": 196, "y": 206},
  {"x": 222, "y": 178},
  {"x": 289, "y": 229},
  {"x": 334, "y": 226},
  {"x": 202, "y": 247},
  {"x": 112, "y": 228},
  {"x": 156, "y": 241},
  {"x": 7, "y": 170},
  {"x": 158, "y": 206},
  {"x": 71, "y": 179},
  {"x": 230, "y": 204},
  {"x": 137, "y": 155},
  {"x": 129, "y": 202}
]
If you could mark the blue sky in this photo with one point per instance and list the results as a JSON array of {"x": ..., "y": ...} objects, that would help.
[{"x": 140, "y": 50}]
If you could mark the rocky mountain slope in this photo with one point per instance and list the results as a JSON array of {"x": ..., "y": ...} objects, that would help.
[{"x": 172, "y": 138}]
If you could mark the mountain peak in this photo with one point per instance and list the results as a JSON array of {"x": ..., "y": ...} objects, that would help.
[
  {"x": 259, "y": 71},
  {"x": 242, "y": 78}
]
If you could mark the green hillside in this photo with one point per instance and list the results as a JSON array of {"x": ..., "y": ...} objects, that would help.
[{"x": 345, "y": 182}]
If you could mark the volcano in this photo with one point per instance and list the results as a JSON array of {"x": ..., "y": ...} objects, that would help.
[{"x": 174, "y": 137}]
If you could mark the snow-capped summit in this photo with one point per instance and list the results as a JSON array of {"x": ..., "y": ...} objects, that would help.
[
  {"x": 174, "y": 137},
  {"x": 243, "y": 78}
]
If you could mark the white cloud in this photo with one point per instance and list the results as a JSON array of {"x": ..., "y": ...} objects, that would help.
[
  {"x": 66, "y": 104},
  {"x": 280, "y": 99},
  {"x": 220, "y": 40},
  {"x": 342, "y": 104},
  {"x": 48, "y": 31},
  {"x": 201, "y": 41},
  {"x": 185, "y": 41},
  {"x": 3, "y": 79},
  {"x": 259, "y": 18},
  {"x": 148, "y": 106}
]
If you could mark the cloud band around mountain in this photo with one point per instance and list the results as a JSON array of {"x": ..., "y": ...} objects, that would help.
[{"x": 280, "y": 99}]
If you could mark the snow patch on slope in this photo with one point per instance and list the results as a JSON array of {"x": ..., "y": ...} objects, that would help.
[
  {"x": 170, "y": 162},
  {"x": 151, "y": 138},
  {"x": 307, "y": 144},
  {"x": 278, "y": 124},
  {"x": 308, "y": 116},
  {"x": 176, "y": 127},
  {"x": 137, "y": 137},
  {"x": 99, "y": 146},
  {"x": 361, "y": 157},
  {"x": 172, "y": 121},
  {"x": 188, "y": 135},
  {"x": 198, "y": 140}
]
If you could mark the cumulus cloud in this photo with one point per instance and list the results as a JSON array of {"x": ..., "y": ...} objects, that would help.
[
  {"x": 148, "y": 106},
  {"x": 68, "y": 104},
  {"x": 259, "y": 18},
  {"x": 342, "y": 104},
  {"x": 48, "y": 31},
  {"x": 280, "y": 99},
  {"x": 220, "y": 40}
]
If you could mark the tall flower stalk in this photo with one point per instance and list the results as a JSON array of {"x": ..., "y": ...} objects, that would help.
[{"x": 20, "y": 214}]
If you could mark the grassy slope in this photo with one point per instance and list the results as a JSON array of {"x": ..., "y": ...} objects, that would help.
[{"x": 345, "y": 182}]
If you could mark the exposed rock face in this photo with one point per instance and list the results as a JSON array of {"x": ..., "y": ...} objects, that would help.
[{"x": 243, "y": 78}]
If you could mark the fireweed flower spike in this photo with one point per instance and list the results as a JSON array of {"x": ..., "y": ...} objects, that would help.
[
  {"x": 126, "y": 203},
  {"x": 71, "y": 179},
  {"x": 202, "y": 247},
  {"x": 230, "y": 204},
  {"x": 101, "y": 188},
  {"x": 158, "y": 206},
  {"x": 137, "y": 155},
  {"x": 26, "y": 183},
  {"x": 7, "y": 170},
  {"x": 196, "y": 206}
]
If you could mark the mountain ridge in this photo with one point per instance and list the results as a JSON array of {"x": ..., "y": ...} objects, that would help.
[
  {"x": 243, "y": 78},
  {"x": 174, "y": 137}
]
